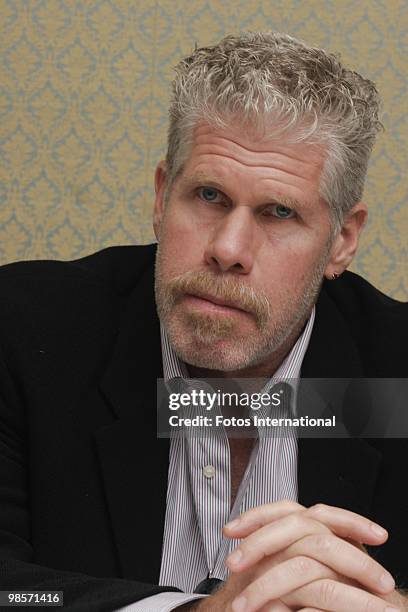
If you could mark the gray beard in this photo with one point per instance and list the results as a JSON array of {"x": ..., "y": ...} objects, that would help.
[{"x": 198, "y": 338}]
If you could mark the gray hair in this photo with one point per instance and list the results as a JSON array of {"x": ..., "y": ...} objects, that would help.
[{"x": 269, "y": 79}]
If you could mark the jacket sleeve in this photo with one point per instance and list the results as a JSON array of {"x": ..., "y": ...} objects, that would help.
[{"x": 82, "y": 593}]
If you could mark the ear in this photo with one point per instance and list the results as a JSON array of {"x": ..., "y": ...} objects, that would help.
[
  {"x": 159, "y": 187},
  {"x": 345, "y": 244}
]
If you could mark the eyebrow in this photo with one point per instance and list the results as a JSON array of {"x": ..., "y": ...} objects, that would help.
[{"x": 202, "y": 178}]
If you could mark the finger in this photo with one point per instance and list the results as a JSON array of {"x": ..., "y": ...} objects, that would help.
[
  {"x": 257, "y": 517},
  {"x": 344, "y": 559},
  {"x": 357, "y": 545},
  {"x": 335, "y": 597},
  {"x": 348, "y": 524},
  {"x": 326, "y": 594},
  {"x": 275, "y": 606},
  {"x": 343, "y": 523},
  {"x": 285, "y": 578},
  {"x": 271, "y": 539}
]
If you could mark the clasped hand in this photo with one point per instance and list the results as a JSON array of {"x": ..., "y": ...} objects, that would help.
[{"x": 294, "y": 558}]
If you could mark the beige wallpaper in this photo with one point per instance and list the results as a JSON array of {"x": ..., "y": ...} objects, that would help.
[{"x": 83, "y": 99}]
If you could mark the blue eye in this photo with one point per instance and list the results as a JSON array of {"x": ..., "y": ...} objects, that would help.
[
  {"x": 209, "y": 194},
  {"x": 281, "y": 212}
]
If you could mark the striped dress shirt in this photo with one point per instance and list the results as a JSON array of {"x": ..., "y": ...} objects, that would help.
[{"x": 199, "y": 486}]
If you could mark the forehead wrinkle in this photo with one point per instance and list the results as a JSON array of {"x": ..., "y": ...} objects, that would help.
[
  {"x": 278, "y": 171},
  {"x": 271, "y": 160},
  {"x": 228, "y": 140},
  {"x": 313, "y": 152}
]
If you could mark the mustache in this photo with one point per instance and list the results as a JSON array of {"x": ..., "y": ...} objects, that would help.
[{"x": 222, "y": 288}]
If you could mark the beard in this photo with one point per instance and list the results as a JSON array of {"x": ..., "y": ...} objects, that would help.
[{"x": 215, "y": 341}]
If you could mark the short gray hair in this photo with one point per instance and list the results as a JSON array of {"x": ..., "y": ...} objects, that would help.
[{"x": 269, "y": 78}]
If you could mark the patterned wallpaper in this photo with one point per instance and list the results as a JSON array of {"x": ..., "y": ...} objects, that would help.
[{"x": 83, "y": 99}]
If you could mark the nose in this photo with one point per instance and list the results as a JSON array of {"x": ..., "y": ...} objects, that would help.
[{"x": 231, "y": 246}]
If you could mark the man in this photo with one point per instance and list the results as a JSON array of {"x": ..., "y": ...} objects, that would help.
[{"x": 258, "y": 213}]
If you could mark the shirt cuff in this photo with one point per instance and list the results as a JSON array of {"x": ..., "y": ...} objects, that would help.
[{"x": 163, "y": 602}]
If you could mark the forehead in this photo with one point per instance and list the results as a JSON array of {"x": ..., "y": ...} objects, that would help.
[
  {"x": 246, "y": 159},
  {"x": 253, "y": 150}
]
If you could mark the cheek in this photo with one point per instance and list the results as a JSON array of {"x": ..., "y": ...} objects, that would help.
[
  {"x": 181, "y": 248},
  {"x": 290, "y": 263}
]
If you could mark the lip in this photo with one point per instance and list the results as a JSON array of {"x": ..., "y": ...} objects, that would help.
[{"x": 216, "y": 302}]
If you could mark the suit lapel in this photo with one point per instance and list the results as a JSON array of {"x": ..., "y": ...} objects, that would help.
[
  {"x": 134, "y": 462},
  {"x": 339, "y": 472}
]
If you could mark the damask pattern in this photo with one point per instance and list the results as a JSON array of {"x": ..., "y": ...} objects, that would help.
[{"x": 84, "y": 89}]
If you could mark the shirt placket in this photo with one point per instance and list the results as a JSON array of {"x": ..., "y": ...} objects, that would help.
[{"x": 210, "y": 483}]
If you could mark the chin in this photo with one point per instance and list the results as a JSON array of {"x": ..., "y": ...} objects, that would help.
[
  {"x": 223, "y": 355},
  {"x": 212, "y": 359},
  {"x": 222, "y": 348}
]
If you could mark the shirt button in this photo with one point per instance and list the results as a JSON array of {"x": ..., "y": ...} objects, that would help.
[{"x": 209, "y": 471}]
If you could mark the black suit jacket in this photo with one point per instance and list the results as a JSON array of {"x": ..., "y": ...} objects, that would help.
[{"x": 83, "y": 477}]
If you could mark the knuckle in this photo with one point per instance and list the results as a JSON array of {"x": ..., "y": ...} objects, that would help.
[
  {"x": 304, "y": 565},
  {"x": 289, "y": 505},
  {"x": 366, "y": 565},
  {"x": 318, "y": 508},
  {"x": 261, "y": 586},
  {"x": 295, "y": 521},
  {"x": 369, "y": 605},
  {"x": 327, "y": 592},
  {"x": 324, "y": 542}
]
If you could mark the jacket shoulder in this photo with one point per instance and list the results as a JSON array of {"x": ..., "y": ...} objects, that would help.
[
  {"x": 62, "y": 303},
  {"x": 355, "y": 296},
  {"x": 377, "y": 322},
  {"x": 118, "y": 268}
]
